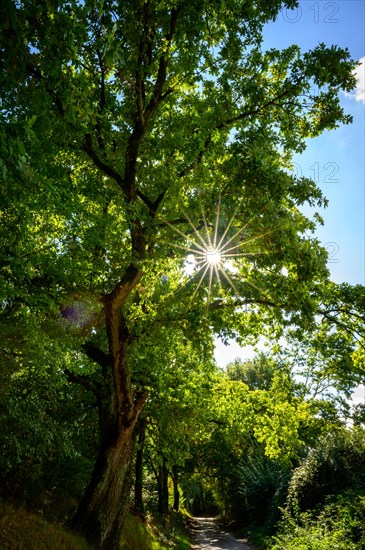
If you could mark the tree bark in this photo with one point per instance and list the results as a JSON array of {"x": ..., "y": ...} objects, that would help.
[
  {"x": 102, "y": 510},
  {"x": 138, "y": 483},
  {"x": 163, "y": 488},
  {"x": 175, "y": 480}
]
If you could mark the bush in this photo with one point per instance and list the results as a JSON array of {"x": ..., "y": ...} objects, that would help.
[
  {"x": 334, "y": 466},
  {"x": 339, "y": 526},
  {"x": 48, "y": 436},
  {"x": 262, "y": 484}
]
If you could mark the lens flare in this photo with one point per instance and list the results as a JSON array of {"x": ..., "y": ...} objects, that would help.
[
  {"x": 213, "y": 256},
  {"x": 213, "y": 249}
]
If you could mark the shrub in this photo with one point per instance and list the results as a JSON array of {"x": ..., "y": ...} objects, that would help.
[
  {"x": 334, "y": 466},
  {"x": 340, "y": 525}
]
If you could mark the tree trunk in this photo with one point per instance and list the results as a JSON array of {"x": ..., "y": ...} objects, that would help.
[
  {"x": 138, "y": 484},
  {"x": 163, "y": 489},
  {"x": 102, "y": 510},
  {"x": 175, "y": 480}
]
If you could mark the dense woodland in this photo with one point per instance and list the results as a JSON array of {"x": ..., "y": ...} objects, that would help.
[{"x": 137, "y": 137}]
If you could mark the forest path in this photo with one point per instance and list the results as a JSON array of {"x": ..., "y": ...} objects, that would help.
[{"x": 207, "y": 535}]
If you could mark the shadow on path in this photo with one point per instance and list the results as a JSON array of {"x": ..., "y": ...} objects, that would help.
[{"x": 208, "y": 535}]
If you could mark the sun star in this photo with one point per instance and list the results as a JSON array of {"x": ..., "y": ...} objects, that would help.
[
  {"x": 212, "y": 253},
  {"x": 213, "y": 256}
]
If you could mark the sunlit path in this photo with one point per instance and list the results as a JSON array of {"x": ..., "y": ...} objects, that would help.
[{"x": 209, "y": 536}]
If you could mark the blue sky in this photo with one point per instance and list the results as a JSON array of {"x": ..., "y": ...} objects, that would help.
[{"x": 336, "y": 159}]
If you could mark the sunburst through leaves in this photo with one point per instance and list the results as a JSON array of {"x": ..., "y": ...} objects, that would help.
[{"x": 213, "y": 251}]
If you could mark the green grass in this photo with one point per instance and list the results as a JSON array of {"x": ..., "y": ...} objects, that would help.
[
  {"x": 151, "y": 534},
  {"x": 21, "y": 530}
]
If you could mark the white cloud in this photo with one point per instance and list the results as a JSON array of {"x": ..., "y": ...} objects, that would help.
[
  {"x": 360, "y": 81},
  {"x": 359, "y": 92},
  {"x": 225, "y": 354},
  {"x": 358, "y": 395}
]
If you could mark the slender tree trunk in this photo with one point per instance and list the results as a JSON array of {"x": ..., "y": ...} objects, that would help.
[
  {"x": 163, "y": 488},
  {"x": 160, "y": 490},
  {"x": 138, "y": 484},
  {"x": 175, "y": 480}
]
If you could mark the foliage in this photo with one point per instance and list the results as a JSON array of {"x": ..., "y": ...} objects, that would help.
[
  {"x": 325, "y": 506},
  {"x": 329, "y": 469},
  {"x": 257, "y": 373},
  {"x": 263, "y": 484},
  {"x": 275, "y": 416},
  {"x": 258, "y": 436},
  {"x": 340, "y": 525},
  {"x": 48, "y": 427},
  {"x": 251, "y": 488}
]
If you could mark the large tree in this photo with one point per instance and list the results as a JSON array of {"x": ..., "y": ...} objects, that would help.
[{"x": 121, "y": 120}]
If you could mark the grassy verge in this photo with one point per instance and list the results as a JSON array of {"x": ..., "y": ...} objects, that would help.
[
  {"x": 21, "y": 530},
  {"x": 152, "y": 534}
]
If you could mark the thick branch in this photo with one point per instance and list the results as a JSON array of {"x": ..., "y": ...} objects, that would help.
[
  {"x": 108, "y": 170},
  {"x": 96, "y": 354},
  {"x": 88, "y": 384},
  {"x": 122, "y": 290},
  {"x": 145, "y": 199},
  {"x": 153, "y": 206},
  {"x": 238, "y": 303},
  {"x": 145, "y": 116}
]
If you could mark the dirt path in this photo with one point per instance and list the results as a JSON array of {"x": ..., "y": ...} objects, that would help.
[{"x": 209, "y": 536}]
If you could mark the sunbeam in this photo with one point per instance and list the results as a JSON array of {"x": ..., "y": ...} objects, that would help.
[
  {"x": 211, "y": 250},
  {"x": 213, "y": 256}
]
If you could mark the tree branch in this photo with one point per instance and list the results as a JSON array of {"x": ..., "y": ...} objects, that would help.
[
  {"x": 346, "y": 311},
  {"x": 224, "y": 124},
  {"x": 349, "y": 330},
  {"x": 162, "y": 70},
  {"x": 96, "y": 354},
  {"x": 153, "y": 206},
  {"x": 237, "y": 303},
  {"x": 88, "y": 384},
  {"x": 122, "y": 290},
  {"x": 102, "y": 101},
  {"x": 145, "y": 114},
  {"x": 105, "y": 168}
]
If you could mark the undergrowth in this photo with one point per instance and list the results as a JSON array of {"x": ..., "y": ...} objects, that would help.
[
  {"x": 339, "y": 525},
  {"x": 154, "y": 534},
  {"x": 21, "y": 530}
]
